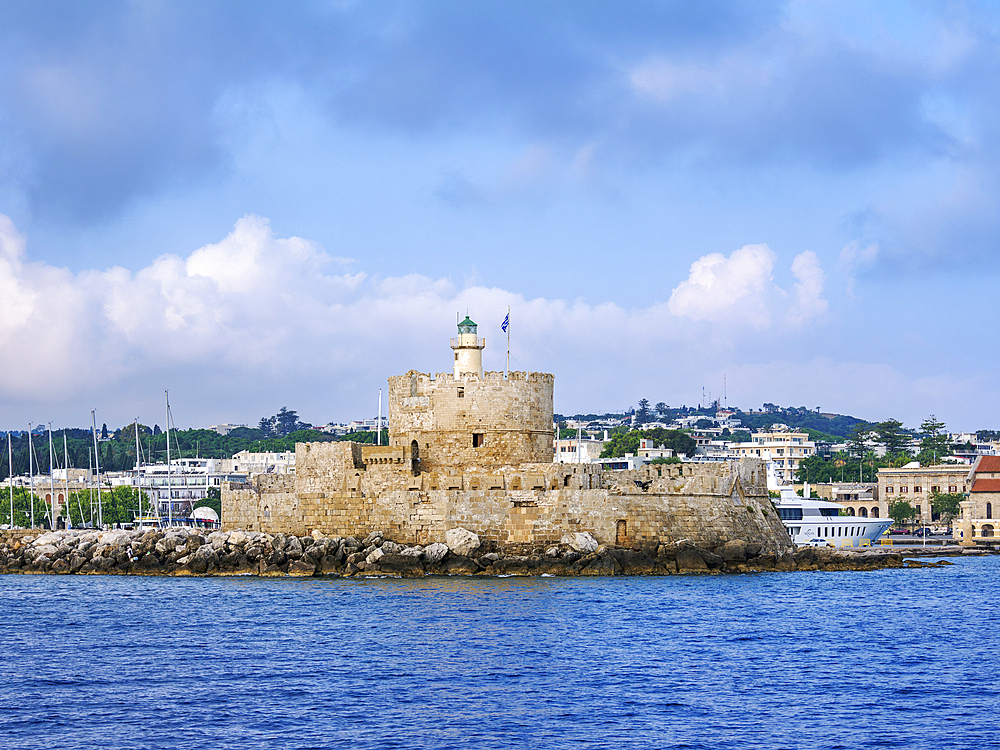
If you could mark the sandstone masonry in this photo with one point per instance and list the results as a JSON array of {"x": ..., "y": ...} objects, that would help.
[{"x": 473, "y": 450}]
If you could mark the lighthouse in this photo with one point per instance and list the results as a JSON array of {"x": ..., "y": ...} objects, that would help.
[{"x": 468, "y": 350}]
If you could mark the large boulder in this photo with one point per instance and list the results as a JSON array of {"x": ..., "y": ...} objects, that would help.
[
  {"x": 402, "y": 565},
  {"x": 734, "y": 550},
  {"x": 434, "y": 553},
  {"x": 301, "y": 569},
  {"x": 690, "y": 561},
  {"x": 580, "y": 541},
  {"x": 461, "y": 541},
  {"x": 293, "y": 548}
]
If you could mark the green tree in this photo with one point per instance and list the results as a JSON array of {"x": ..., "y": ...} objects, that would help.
[
  {"x": 890, "y": 434},
  {"x": 117, "y": 504},
  {"x": 22, "y": 508},
  {"x": 934, "y": 444},
  {"x": 665, "y": 460},
  {"x": 856, "y": 440},
  {"x": 946, "y": 504},
  {"x": 621, "y": 443},
  {"x": 661, "y": 409},
  {"x": 901, "y": 512},
  {"x": 642, "y": 414}
]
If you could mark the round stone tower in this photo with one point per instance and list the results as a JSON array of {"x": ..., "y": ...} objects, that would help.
[
  {"x": 468, "y": 350},
  {"x": 471, "y": 418}
]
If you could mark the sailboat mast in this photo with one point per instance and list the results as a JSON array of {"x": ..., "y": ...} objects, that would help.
[
  {"x": 97, "y": 466},
  {"x": 170, "y": 500},
  {"x": 52, "y": 485},
  {"x": 69, "y": 518},
  {"x": 10, "y": 477},
  {"x": 138, "y": 481},
  {"x": 90, "y": 492},
  {"x": 31, "y": 478}
]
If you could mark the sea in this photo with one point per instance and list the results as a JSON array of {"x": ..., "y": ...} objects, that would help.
[{"x": 883, "y": 659}]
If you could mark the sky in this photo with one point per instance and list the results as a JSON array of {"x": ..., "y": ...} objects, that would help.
[{"x": 255, "y": 205}]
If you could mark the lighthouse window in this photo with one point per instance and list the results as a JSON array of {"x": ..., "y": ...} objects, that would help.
[
  {"x": 477, "y": 439},
  {"x": 461, "y": 391}
]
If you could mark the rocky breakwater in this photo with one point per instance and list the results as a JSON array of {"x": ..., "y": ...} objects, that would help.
[{"x": 181, "y": 552}]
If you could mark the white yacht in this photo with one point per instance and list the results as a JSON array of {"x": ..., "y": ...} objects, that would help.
[{"x": 812, "y": 522}]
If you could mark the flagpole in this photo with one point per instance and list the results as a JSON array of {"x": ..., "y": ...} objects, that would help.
[{"x": 508, "y": 342}]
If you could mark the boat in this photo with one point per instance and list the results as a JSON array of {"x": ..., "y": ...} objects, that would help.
[{"x": 813, "y": 522}]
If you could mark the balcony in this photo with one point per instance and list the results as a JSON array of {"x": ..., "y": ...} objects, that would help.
[{"x": 466, "y": 342}]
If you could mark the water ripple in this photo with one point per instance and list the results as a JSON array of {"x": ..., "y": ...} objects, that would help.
[{"x": 888, "y": 659}]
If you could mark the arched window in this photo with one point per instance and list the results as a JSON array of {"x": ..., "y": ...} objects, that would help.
[
  {"x": 989, "y": 510},
  {"x": 987, "y": 530},
  {"x": 875, "y": 512},
  {"x": 850, "y": 511},
  {"x": 415, "y": 458},
  {"x": 863, "y": 512}
]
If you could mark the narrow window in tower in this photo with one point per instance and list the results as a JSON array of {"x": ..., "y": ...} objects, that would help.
[
  {"x": 477, "y": 439},
  {"x": 461, "y": 391}
]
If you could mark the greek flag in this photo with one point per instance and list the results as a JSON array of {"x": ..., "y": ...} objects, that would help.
[{"x": 506, "y": 322}]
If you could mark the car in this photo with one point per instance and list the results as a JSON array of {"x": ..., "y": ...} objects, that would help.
[
  {"x": 898, "y": 531},
  {"x": 923, "y": 532},
  {"x": 817, "y": 542}
]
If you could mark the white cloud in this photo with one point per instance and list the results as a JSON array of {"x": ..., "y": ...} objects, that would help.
[
  {"x": 241, "y": 327},
  {"x": 737, "y": 289},
  {"x": 809, "y": 301}
]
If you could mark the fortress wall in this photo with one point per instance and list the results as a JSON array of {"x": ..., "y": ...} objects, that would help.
[
  {"x": 532, "y": 505},
  {"x": 324, "y": 467},
  {"x": 269, "y": 503}
]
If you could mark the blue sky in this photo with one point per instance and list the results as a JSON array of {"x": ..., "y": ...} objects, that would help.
[{"x": 257, "y": 205}]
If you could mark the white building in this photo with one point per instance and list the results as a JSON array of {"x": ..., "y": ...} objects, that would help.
[
  {"x": 249, "y": 463},
  {"x": 187, "y": 481},
  {"x": 225, "y": 429},
  {"x": 585, "y": 450},
  {"x": 784, "y": 447}
]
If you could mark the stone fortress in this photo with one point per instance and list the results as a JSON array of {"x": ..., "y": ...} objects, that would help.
[{"x": 473, "y": 450}]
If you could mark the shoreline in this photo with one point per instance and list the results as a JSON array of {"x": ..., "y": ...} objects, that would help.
[{"x": 183, "y": 552}]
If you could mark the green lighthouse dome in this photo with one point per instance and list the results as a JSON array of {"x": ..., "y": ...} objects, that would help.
[{"x": 467, "y": 326}]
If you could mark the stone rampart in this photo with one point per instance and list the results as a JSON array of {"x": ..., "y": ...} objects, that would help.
[{"x": 708, "y": 504}]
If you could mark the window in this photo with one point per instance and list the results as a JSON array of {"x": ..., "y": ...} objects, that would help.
[
  {"x": 888, "y": 490},
  {"x": 989, "y": 510},
  {"x": 461, "y": 391},
  {"x": 790, "y": 514},
  {"x": 917, "y": 488},
  {"x": 952, "y": 488},
  {"x": 477, "y": 439},
  {"x": 903, "y": 490},
  {"x": 935, "y": 488},
  {"x": 918, "y": 511}
]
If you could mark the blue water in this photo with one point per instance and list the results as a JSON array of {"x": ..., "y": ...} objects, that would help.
[{"x": 901, "y": 658}]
